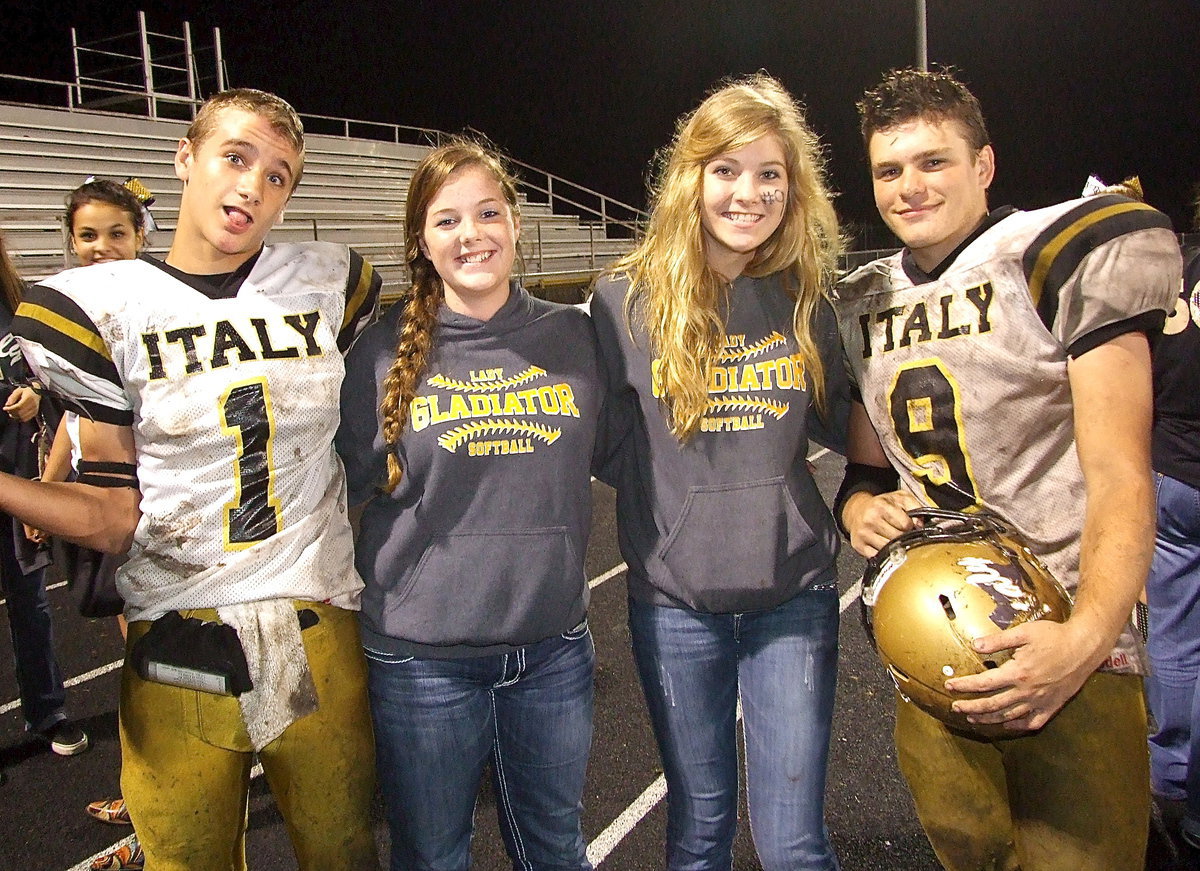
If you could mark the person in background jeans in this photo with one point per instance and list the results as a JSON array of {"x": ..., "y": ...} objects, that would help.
[
  {"x": 22, "y": 562},
  {"x": 1173, "y": 587}
]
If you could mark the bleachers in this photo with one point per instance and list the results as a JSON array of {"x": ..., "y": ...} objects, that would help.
[{"x": 353, "y": 192}]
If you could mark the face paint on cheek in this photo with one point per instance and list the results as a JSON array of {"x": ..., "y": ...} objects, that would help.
[{"x": 769, "y": 198}]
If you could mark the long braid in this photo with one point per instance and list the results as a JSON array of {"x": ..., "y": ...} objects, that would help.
[
  {"x": 416, "y": 340},
  {"x": 421, "y": 305}
]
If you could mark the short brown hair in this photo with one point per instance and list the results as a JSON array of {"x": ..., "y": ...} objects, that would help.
[
  {"x": 277, "y": 111},
  {"x": 906, "y": 94}
]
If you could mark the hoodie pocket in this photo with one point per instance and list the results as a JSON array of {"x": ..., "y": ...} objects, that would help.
[
  {"x": 726, "y": 550},
  {"x": 481, "y": 588}
]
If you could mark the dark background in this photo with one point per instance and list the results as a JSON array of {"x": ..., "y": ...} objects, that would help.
[{"x": 589, "y": 90}]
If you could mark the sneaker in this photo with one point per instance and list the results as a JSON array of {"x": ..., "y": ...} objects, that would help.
[
  {"x": 128, "y": 857},
  {"x": 65, "y": 738},
  {"x": 110, "y": 810}
]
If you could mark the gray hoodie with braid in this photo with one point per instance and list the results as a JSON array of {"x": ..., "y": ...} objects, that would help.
[{"x": 480, "y": 548}]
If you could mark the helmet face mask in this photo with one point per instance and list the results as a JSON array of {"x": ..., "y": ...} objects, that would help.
[{"x": 930, "y": 592}]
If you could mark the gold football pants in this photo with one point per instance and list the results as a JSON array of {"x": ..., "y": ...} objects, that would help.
[
  {"x": 186, "y": 761},
  {"x": 1075, "y": 795}
]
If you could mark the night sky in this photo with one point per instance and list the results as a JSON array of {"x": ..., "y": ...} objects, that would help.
[{"x": 589, "y": 90}]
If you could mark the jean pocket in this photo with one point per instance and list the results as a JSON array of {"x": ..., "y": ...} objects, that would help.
[{"x": 579, "y": 631}]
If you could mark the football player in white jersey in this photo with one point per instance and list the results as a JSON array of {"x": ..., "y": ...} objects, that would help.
[
  {"x": 1002, "y": 363},
  {"x": 212, "y": 384}
]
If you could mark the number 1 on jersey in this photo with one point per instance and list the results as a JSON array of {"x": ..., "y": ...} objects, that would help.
[{"x": 253, "y": 515}]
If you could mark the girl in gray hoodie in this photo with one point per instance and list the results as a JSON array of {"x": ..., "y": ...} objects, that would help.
[
  {"x": 468, "y": 421},
  {"x": 723, "y": 353}
]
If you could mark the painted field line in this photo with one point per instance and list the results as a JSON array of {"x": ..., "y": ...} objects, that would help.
[
  {"x": 607, "y": 840},
  {"x": 849, "y": 596},
  {"x": 86, "y": 864},
  {"x": 611, "y": 573}
]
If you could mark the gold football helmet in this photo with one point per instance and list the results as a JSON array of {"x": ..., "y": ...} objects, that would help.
[{"x": 930, "y": 592}]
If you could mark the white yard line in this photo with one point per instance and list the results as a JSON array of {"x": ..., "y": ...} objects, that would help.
[
  {"x": 849, "y": 596},
  {"x": 86, "y": 864},
  {"x": 611, "y": 573},
  {"x": 607, "y": 840}
]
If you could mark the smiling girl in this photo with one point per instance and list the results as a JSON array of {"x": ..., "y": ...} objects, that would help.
[
  {"x": 106, "y": 223},
  {"x": 719, "y": 342},
  {"x": 468, "y": 420}
]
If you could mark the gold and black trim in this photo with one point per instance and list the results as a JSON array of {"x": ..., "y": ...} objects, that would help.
[
  {"x": 1052, "y": 257},
  {"x": 362, "y": 295},
  {"x": 55, "y": 322}
]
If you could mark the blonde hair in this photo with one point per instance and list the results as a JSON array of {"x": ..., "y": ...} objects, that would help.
[
  {"x": 423, "y": 298},
  {"x": 676, "y": 294}
]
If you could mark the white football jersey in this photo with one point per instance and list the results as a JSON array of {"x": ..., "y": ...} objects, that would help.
[
  {"x": 964, "y": 376},
  {"x": 233, "y": 403}
]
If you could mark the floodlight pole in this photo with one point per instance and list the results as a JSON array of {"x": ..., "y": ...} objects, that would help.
[{"x": 922, "y": 38}]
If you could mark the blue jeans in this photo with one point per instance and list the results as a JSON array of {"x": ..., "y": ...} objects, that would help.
[
  {"x": 1173, "y": 593},
  {"x": 438, "y": 722},
  {"x": 39, "y": 678},
  {"x": 782, "y": 664}
]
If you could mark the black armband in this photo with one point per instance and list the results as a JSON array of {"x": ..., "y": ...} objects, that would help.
[
  {"x": 860, "y": 478},
  {"x": 99, "y": 474}
]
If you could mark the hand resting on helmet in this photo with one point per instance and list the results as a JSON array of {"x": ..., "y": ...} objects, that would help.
[
  {"x": 1050, "y": 662},
  {"x": 873, "y": 521}
]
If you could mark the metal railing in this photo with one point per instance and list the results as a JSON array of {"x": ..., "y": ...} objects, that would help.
[
  {"x": 162, "y": 66},
  {"x": 142, "y": 76}
]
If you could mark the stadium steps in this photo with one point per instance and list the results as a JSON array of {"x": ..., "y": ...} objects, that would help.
[{"x": 353, "y": 192}]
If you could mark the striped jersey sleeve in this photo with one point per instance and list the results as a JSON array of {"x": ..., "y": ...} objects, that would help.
[
  {"x": 1097, "y": 270},
  {"x": 363, "y": 284},
  {"x": 67, "y": 352}
]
